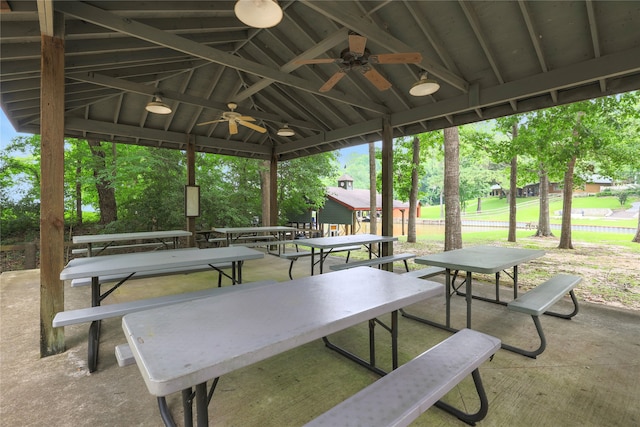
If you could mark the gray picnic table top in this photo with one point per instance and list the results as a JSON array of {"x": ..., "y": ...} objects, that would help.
[
  {"x": 150, "y": 261},
  {"x": 116, "y": 237},
  {"x": 184, "y": 345},
  {"x": 334, "y": 242}
]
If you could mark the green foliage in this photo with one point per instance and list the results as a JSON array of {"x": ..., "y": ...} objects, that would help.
[
  {"x": 302, "y": 182},
  {"x": 21, "y": 218},
  {"x": 357, "y": 167},
  {"x": 622, "y": 197}
]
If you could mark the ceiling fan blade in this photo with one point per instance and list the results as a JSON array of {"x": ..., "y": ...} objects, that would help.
[
  {"x": 210, "y": 122},
  {"x": 377, "y": 79},
  {"x": 317, "y": 61},
  {"x": 233, "y": 127},
  {"x": 396, "y": 58},
  {"x": 357, "y": 43},
  {"x": 252, "y": 126},
  {"x": 246, "y": 118},
  {"x": 329, "y": 84}
]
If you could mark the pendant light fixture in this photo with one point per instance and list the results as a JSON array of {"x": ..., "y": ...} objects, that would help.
[
  {"x": 424, "y": 86},
  {"x": 286, "y": 131},
  {"x": 259, "y": 13},
  {"x": 157, "y": 106}
]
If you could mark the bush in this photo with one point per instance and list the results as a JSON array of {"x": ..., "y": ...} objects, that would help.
[{"x": 20, "y": 221}]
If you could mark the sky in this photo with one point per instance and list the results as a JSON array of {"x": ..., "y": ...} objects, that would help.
[{"x": 6, "y": 131}]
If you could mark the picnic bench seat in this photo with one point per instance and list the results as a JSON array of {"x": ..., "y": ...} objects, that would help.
[
  {"x": 424, "y": 272},
  {"x": 84, "y": 251},
  {"x": 402, "y": 395},
  {"x": 538, "y": 300},
  {"x": 86, "y": 281},
  {"x": 253, "y": 238},
  {"x": 101, "y": 312},
  {"x": 390, "y": 259},
  {"x": 293, "y": 256},
  {"x": 218, "y": 241}
]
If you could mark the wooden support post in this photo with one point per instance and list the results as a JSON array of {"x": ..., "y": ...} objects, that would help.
[
  {"x": 387, "y": 187},
  {"x": 265, "y": 188},
  {"x": 191, "y": 180},
  {"x": 51, "y": 193},
  {"x": 273, "y": 189}
]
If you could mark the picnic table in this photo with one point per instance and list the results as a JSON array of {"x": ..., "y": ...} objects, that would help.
[
  {"x": 327, "y": 244},
  {"x": 184, "y": 345},
  {"x": 163, "y": 238},
  {"x": 128, "y": 265},
  {"x": 277, "y": 232},
  {"x": 478, "y": 259}
]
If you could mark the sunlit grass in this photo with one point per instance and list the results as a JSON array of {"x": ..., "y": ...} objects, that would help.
[{"x": 527, "y": 210}]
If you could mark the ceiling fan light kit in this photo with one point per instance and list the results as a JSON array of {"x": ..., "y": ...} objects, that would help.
[
  {"x": 424, "y": 86},
  {"x": 157, "y": 106},
  {"x": 286, "y": 131},
  {"x": 258, "y": 13}
]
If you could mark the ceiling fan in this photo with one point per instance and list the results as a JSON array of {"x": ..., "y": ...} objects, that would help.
[
  {"x": 358, "y": 57},
  {"x": 235, "y": 119}
]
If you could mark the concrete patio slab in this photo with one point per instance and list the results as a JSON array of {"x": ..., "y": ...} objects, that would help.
[{"x": 588, "y": 375}]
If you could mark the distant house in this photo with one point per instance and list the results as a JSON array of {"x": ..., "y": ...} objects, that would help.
[
  {"x": 595, "y": 184},
  {"x": 592, "y": 185},
  {"x": 344, "y": 208}
]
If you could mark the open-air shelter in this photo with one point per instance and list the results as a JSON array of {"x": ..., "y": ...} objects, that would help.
[{"x": 90, "y": 69}]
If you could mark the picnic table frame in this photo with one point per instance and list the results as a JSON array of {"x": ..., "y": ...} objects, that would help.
[
  {"x": 329, "y": 243},
  {"x": 110, "y": 239},
  {"x": 476, "y": 259},
  {"x": 173, "y": 345}
]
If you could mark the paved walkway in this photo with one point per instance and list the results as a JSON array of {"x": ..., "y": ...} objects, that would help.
[{"x": 588, "y": 376}]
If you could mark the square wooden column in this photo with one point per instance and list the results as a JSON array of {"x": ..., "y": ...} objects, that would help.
[{"x": 51, "y": 193}]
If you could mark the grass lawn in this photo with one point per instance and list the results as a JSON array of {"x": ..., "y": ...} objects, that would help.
[{"x": 497, "y": 209}]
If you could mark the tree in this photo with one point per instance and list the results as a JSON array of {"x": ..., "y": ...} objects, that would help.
[
  {"x": 413, "y": 194},
  {"x": 104, "y": 185},
  {"x": 537, "y": 148},
  {"x": 20, "y": 187},
  {"x": 477, "y": 170},
  {"x": 373, "y": 194},
  {"x": 505, "y": 151},
  {"x": 573, "y": 138},
  {"x": 452, "y": 223},
  {"x": 303, "y": 182},
  {"x": 544, "y": 225}
]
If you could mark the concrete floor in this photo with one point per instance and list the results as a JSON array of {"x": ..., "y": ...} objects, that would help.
[{"x": 589, "y": 374}]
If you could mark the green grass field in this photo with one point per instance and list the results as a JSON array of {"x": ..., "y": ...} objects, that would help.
[{"x": 527, "y": 210}]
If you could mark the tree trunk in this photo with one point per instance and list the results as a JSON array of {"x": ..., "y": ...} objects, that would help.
[
  {"x": 78, "y": 195},
  {"x": 413, "y": 195},
  {"x": 567, "y": 197},
  {"x": 479, "y": 205},
  {"x": 106, "y": 192},
  {"x": 636, "y": 239},
  {"x": 373, "y": 209},
  {"x": 513, "y": 190},
  {"x": 452, "y": 222},
  {"x": 544, "y": 228},
  {"x": 265, "y": 184}
]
